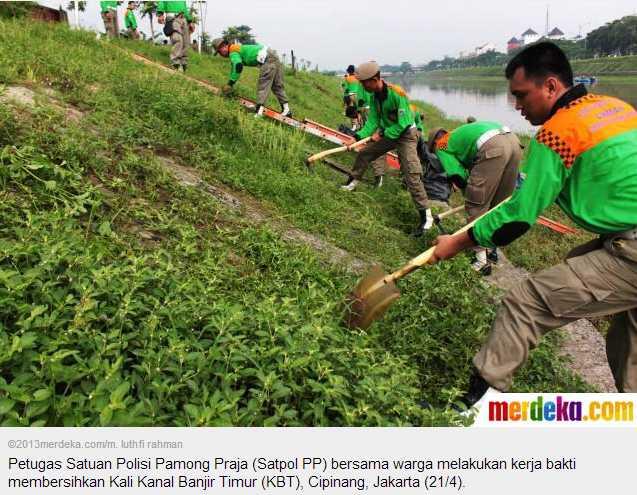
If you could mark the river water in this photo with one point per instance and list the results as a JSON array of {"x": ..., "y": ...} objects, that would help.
[{"x": 490, "y": 100}]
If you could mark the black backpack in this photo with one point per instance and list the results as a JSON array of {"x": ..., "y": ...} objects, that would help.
[
  {"x": 434, "y": 177},
  {"x": 168, "y": 28}
]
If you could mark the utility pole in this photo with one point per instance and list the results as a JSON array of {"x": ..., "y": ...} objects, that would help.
[
  {"x": 547, "y": 21},
  {"x": 200, "y": 26},
  {"x": 77, "y": 15}
]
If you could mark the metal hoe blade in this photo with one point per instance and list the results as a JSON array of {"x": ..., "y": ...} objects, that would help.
[{"x": 370, "y": 299}]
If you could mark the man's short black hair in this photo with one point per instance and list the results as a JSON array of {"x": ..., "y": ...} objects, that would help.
[
  {"x": 351, "y": 69},
  {"x": 540, "y": 61}
]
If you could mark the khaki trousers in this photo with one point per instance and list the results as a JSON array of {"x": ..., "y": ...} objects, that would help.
[
  {"x": 271, "y": 78},
  {"x": 410, "y": 167},
  {"x": 597, "y": 279},
  {"x": 110, "y": 23},
  {"x": 180, "y": 40},
  {"x": 493, "y": 175}
]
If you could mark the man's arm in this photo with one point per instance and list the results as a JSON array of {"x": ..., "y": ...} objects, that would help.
[
  {"x": 456, "y": 173},
  {"x": 371, "y": 125},
  {"x": 236, "y": 67}
]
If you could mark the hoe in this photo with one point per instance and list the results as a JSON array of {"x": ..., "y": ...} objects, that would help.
[
  {"x": 377, "y": 291},
  {"x": 333, "y": 151}
]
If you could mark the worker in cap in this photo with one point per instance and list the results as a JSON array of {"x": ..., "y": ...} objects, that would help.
[
  {"x": 483, "y": 159},
  {"x": 391, "y": 125},
  {"x": 270, "y": 71},
  {"x": 356, "y": 100}
]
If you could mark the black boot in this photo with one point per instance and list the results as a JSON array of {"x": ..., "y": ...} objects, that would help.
[
  {"x": 492, "y": 256},
  {"x": 478, "y": 386}
]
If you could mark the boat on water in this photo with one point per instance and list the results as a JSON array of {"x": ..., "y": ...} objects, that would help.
[{"x": 585, "y": 80}]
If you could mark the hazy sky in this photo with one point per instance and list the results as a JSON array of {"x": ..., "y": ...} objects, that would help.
[{"x": 335, "y": 33}]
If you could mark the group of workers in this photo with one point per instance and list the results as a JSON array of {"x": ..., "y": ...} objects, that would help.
[
  {"x": 109, "y": 17},
  {"x": 481, "y": 158},
  {"x": 174, "y": 16},
  {"x": 584, "y": 158}
]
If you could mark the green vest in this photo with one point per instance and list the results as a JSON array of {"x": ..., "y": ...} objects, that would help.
[
  {"x": 457, "y": 151},
  {"x": 585, "y": 159},
  {"x": 244, "y": 55},
  {"x": 175, "y": 7},
  {"x": 106, "y": 6},
  {"x": 130, "y": 21},
  {"x": 390, "y": 112}
]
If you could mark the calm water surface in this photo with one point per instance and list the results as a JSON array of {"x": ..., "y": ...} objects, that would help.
[{"x": 490, "y": 100}]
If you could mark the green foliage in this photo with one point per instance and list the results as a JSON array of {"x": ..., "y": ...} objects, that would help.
[
  {"x": 206, "y": 318},
  {"x": 15, "y": 10},
  {"x": 239, "y": 34},
  {"x": 614, "y": 38}
]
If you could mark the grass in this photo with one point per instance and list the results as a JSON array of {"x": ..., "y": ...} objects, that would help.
[
  {"x": 211, "y": 320},
  {"x": 620, "y": 67}
]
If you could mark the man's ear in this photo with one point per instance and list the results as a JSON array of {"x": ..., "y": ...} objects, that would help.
[{"x": 552, "y": 85}]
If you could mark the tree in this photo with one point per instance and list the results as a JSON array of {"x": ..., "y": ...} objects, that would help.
[
  {"x": 81, "y": 6},
  {"x": 206, "y": 43},
  {"x": 239, "y": 34},
  {"x": 406, "y": 68},
  {"x": 10, "y": 10},
  {"x": 614, "y": 38},
  {"x": 149, "y": 9}
]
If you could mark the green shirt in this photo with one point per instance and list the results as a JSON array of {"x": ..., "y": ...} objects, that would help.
[
  {"x": 106, "y": 6},
  {"x": 458, "y": 149},
  {"x": 242, "y": 55},
  {"x": 175, "y": 7},
  {"x": 364, "y": 96},
  {"x": 418, "y": 120},
  {"x": 130, "y": 21},
  {"x": 352, "y": 86},
  {"x": 585, "y": 159},
  {"x": 390, "y": 112}
]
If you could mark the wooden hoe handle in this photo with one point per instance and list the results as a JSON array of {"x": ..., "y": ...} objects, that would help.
[
  {"x": 333, "y": 151},
  {"x": 424, "y": 258}
]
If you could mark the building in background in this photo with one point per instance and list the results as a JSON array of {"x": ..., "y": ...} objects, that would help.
[
  {"x": 529, "y": 36},
  {"x": 556, "y": 34}
]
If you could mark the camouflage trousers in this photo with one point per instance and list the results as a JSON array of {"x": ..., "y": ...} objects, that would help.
[{"x": 180, "y": 40}]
